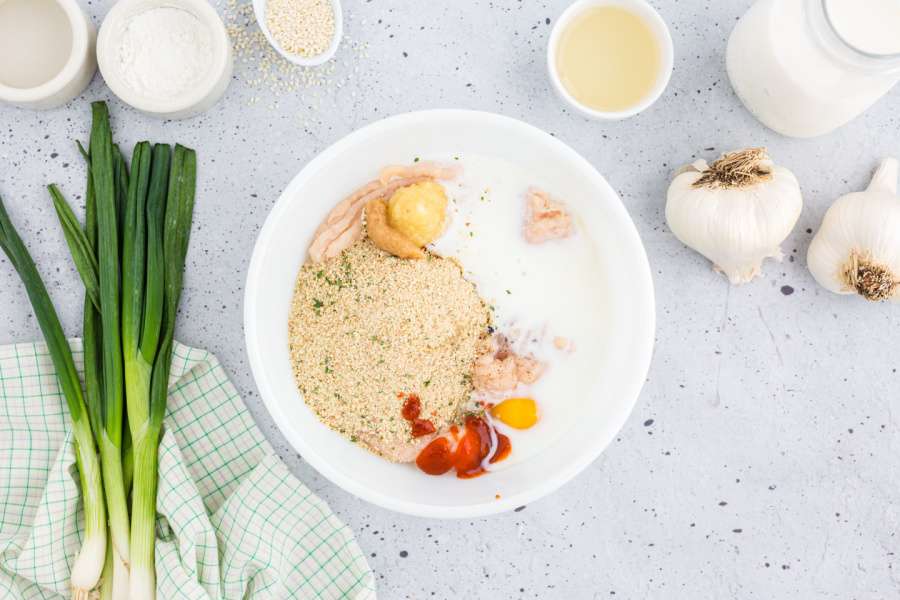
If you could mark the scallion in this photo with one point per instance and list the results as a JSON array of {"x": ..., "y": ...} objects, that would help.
[
  {"x": 164, "y": 278},
  {"x": 83, "y": 244},
  {"x": 89, "y": 562},
  {"x": 108, "y": 175}
]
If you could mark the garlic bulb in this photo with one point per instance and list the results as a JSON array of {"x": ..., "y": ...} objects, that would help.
[
  {"x": 857, "y": 248},
  {"x": 735, "y": 211}
]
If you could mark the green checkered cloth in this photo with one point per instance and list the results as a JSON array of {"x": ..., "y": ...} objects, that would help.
[{"x": 232, "y": 523}]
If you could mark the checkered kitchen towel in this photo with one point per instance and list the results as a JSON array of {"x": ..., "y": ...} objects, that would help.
[{"x": 233, "y": 523}]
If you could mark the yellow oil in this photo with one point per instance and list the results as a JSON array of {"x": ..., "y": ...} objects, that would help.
[{"x": 608, "y": 58}]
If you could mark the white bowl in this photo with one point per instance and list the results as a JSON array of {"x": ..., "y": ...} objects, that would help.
[
  {"x": 188, "y": 104},
  {"x": 75, "y": 75},
  {"x": 629, "y": 313},
  {"x": 656, "y": 23},
  {"x": 259, "y": 9}
]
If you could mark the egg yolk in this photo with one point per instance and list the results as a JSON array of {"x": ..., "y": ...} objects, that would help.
[
  {"x": 519, "y": 413},
  {"x": 418, "y": 211}
]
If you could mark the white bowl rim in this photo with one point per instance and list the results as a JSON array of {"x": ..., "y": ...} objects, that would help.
[
  {"x": 642, "y": 281},
  {"x": 643, "y": 8},
  {"x": 303, "y": 61},
  {"x": 221, "y": 47},
  {"x": 80, "y": 26}
]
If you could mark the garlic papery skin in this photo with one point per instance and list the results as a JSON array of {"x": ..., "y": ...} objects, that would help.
[
  {"x": 857, "y": 247},
  {"x": 735, "y": 211}
]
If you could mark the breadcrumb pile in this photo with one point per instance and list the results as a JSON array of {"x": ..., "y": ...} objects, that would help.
[{"x": 367, "y": 328}]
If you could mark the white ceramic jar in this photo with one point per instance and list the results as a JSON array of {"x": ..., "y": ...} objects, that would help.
[
  {"x": 806, "y": 67},
  {"x": 46, "y": 52},
  {"x": 119, "y": 55}
]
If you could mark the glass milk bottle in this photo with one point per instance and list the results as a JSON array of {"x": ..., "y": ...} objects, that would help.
[{"x": 806, "y": 67}]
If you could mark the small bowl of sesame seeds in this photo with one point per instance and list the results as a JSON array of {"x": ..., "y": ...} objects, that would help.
[{"x": 304, "y": 32}]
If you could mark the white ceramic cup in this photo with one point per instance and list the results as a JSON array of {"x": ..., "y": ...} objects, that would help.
[
  {"x": 660, "y": 31},
  {"x": 188, "y": 104},
  {"x": 75, "y": 74}
]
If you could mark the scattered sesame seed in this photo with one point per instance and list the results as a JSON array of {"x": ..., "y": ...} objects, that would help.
[{"x": 268, "y": 74}]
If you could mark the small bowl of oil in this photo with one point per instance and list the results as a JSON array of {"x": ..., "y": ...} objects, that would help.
[
  {"x": 610, "y": 59},
  {"x": 46, "y": 52}
]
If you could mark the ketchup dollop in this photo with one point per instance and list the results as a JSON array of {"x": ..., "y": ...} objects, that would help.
[
  {"x": 412, "y": 407},
  {"x": 472, "y": 448},
  {"x": 422, "y": 427},
  {"x": 411, "y": 410},
  {"x": 437, "y": 457}
]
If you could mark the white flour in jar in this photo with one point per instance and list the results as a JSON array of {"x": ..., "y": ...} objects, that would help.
[{"x": 165, "y": 52}]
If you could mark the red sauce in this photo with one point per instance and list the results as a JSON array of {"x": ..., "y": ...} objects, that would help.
[
  {"x": 436, "y": 458},
  {"x": 504, "y": 447},
  {"x": 411, "y": 408},
  {"x": 422, "y": 427},
  {"x": 473, "y": 447}
]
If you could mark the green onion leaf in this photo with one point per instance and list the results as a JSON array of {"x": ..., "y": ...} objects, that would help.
[{"x": 81, "y": 249}]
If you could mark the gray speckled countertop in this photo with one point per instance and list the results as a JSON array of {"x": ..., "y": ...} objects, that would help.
[{"x": 763, "y": 457}]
